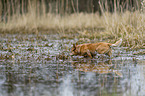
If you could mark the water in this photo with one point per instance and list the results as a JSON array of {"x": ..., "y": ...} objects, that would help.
[{"x": 40, "y": 66}]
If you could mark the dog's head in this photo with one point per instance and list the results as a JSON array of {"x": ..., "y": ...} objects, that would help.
[{"x": 74, "y": 50}]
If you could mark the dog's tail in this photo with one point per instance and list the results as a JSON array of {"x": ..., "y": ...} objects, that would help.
[{"x": 118, "y": 43}]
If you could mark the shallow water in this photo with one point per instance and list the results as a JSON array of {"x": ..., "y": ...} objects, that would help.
[{"x": 41, "y": 66}]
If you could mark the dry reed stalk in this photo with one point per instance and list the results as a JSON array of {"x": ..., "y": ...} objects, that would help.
[
  {"x": 8, "y": 10},
  {"x": 43, "y": 8},
  {"x": 77, "y": 6},
  {"x": 73, "y": 6},
  {"x": 0, "y": 10},
  {"x": 102, "y": 10},
  {"x": 13, "y": 11}
]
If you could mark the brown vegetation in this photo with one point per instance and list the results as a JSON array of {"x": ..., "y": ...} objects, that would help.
[{"x": 127, "y": 25}]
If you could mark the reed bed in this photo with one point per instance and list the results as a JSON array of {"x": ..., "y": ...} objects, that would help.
[{"x": 129, "y": 25}]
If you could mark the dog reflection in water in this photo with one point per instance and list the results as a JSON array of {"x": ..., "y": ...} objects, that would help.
[{"x": 100, "y": 68}]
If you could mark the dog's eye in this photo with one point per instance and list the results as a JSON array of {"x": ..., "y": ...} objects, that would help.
[{"x": 74, "y": 49}]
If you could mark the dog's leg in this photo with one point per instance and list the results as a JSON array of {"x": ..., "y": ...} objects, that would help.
[
  {"x": 89, "y": 53},
  {"x": 104, "y": 51},
  {"x": 109, "y": 53}
]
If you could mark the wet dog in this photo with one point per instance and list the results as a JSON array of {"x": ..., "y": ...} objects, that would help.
[{"x": 91, "y": 49}]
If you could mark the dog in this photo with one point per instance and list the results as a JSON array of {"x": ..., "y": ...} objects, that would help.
[{"x": 91, "y": 49}]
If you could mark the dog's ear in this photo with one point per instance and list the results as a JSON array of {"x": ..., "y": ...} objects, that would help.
[{"x": 74, "y": 46}]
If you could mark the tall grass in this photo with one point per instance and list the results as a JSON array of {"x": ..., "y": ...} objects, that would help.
[{"x": 129, "y": 25}]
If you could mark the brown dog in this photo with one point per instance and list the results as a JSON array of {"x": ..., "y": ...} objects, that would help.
[{"x": 91, "y": 49}]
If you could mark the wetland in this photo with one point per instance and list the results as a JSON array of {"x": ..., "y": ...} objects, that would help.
[
  {"x": 40, "y": 65},
  {"x": 36, "y": 37}
]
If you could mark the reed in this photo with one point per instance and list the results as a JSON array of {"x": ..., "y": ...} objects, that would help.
[{"x": 128, "y": 25}]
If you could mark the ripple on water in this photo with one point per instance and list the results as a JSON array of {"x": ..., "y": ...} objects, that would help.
[{"x": 40, "y": 70}]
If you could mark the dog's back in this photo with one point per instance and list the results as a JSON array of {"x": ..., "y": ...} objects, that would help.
[{"x": 90, "y": 49}]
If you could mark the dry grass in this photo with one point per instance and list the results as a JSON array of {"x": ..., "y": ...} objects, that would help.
[
  {"x": 128, "y": 25},
  {"x": 52, "y": 21}
]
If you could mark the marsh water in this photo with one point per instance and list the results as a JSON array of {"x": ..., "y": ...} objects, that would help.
[{"x": 33, "y": 65}]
